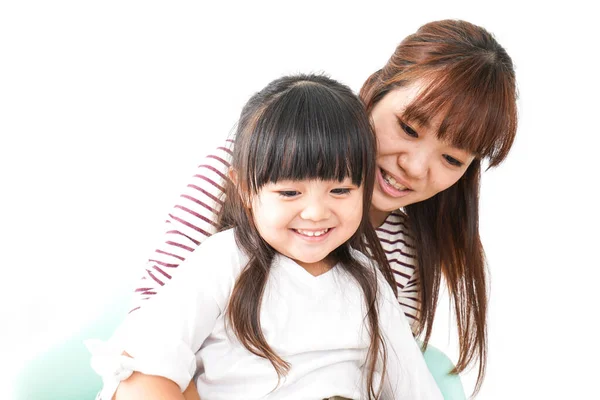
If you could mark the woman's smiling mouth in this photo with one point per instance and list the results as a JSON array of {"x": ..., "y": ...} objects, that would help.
[{"x": 390, "y": 185}]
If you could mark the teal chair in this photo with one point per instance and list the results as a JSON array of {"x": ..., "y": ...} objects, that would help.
[
  {"x": 64, "y": 373},
  {"x": 440, "y": 366}
]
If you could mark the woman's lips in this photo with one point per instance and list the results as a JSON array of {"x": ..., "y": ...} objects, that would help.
[{"x": 389, "y": 185}]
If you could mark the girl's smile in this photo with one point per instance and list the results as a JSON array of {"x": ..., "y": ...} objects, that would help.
[
  {"x": 313, "y": 235},
  {"x": 306, "y": 220}
]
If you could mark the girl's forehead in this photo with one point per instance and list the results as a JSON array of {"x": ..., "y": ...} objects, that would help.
[{"x": 311, "y": 181}]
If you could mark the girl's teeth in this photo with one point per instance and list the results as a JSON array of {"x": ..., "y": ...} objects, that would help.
[{"x": 312, "y": 233}]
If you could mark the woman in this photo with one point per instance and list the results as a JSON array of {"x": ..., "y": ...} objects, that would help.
[{"x": 442, "y": 104}]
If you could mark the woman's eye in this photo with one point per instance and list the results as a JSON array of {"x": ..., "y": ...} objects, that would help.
[
  {"x": 340, "y": 191},
  {"x": 453, "y": 161},
  {"x": 289, "y": 193},
  {"x": 407, "y": 129}
]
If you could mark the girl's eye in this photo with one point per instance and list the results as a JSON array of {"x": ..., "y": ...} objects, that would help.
[
  {"x": 453, "y": 161},
  {"x": 289, "y": 193},
  {"x": 340, "y": 191},
  {"x": 407, "y": 129}
]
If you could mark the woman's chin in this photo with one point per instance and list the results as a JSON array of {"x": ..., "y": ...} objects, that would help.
[{"x": 382, "y": 203}]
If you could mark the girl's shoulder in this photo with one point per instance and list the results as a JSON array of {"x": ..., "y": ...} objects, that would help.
[
  {"x": 382, "y": 283},
  {"x": 219, "y": 253},
  {"x": 366, "y": 261},
  {"x": 223, "y": 240}
]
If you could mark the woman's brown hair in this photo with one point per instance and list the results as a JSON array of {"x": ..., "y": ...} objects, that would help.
[
  {"x": 468, "y": 79},
  {"x": 302, "y": 127}
]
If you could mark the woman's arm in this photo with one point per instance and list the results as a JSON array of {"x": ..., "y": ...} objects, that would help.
[{"x": 190, "y": 222}]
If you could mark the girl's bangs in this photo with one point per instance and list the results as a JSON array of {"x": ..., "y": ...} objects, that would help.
[
  {"x": 309, "y": 133},
  {"x": 477, "y": 105}
]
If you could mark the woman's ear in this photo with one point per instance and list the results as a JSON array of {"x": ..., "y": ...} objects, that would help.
[{"x": 232, "y": 175}]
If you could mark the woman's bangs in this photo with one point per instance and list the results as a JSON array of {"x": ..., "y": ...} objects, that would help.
[
  {"x": 311, "y": 135},
  {"x": 477, "y": 105}
]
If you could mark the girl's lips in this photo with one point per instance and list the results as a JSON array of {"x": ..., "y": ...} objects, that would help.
[{"x": 389, "y": 189}]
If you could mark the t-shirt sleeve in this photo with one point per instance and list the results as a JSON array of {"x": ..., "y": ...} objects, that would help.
[
  {"x": 164, "y": 336},
  {"x": 191, "y": 221}
]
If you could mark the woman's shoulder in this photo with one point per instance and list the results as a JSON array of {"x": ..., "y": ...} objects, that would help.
[
  {"x": 395, "y": 234},
  {"x": 396, "y": 224}
]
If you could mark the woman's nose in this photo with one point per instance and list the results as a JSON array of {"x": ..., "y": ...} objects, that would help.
[{"x": 414, "y": 164}]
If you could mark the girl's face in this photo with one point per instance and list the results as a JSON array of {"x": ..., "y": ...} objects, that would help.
[
  {"x": 308, "y": 219},
  {"x": 413, "y": 164}
]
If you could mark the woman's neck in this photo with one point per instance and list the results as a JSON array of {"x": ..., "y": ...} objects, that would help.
[{"x": 377, "y": 217}]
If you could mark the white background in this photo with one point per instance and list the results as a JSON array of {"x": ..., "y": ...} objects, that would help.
[{"x": 106, "y": 108}]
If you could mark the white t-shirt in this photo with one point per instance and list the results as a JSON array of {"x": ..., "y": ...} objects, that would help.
[{"x": 316, "y": 324}]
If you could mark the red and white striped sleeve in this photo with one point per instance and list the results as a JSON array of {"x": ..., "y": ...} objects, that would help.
[
  {"x": 399, "y": 247},
  {"x": 190, "y": 222}
]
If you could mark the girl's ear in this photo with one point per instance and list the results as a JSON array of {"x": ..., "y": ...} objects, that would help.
[{"x": 233, "y": 176}]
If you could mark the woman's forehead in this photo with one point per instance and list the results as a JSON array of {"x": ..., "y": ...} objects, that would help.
[
  {"x": 405, "y": 102},
  {"x": 401, "y": 97}
]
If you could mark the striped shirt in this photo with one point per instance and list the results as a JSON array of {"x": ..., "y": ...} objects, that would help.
[{"x": 194, "y": 217}]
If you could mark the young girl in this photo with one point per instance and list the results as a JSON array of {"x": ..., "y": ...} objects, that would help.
[{"x": 295, "y": 309}]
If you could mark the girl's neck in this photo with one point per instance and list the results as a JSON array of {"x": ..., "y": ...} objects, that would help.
[
  {"x": 377, "y": 217},
  {"x": 318, "y": 268}
]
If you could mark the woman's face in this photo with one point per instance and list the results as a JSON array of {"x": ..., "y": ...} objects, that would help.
[{"x": 414, "y": 164}]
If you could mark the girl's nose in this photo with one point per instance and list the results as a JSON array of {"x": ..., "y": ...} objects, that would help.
[{"x": 315, "y": 210}]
